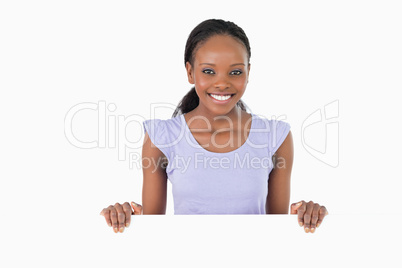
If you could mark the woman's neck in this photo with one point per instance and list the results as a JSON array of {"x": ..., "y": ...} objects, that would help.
[{"x": 202, "y": 118}]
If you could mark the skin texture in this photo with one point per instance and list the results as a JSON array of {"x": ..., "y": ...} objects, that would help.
[{"x": 220, "y": 66}]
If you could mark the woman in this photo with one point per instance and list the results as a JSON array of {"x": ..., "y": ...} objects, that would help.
[{"x": 211, "y": 151}]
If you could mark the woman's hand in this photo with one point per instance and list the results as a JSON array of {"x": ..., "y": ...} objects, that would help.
[
  {"x": 309, "y": 214},
  {"x": 119, "y": 216}
]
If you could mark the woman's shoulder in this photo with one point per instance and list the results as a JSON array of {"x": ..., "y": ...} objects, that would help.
[
  {"x": 276, "y": 122},
  {"x": 163, "y": 122},
  {"x": 274, "y": 129},
  {"x": 165, "y": 129}
]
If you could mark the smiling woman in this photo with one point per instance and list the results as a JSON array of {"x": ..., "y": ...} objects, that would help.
[
  {"x": 220, "y": 73},
  {"x": 212, "y": 130},
  {"x": 216, "y": 49}
]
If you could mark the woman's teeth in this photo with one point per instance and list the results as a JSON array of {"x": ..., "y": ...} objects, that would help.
[{"x": 221, "y": 97}]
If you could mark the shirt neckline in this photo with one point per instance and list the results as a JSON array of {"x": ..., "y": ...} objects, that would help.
[{"x": 216, "y": 153}]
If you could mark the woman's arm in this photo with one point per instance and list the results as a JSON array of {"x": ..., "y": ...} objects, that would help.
[
  {"x": 310, "y": 215},
  {"x": 278, "y": 197},
  {"x": 154, "y": 189}
]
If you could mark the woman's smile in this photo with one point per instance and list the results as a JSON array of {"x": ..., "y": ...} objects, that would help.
[{"x": 221, "y": 98}]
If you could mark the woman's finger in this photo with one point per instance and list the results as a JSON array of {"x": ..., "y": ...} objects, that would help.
[
  {"x": 307, "y": 216},
  {"x": 127, "y": 212},
  {"x": 113, "y": 218},
  {"x": 314, "y": 217},
  {"x": 121, "y": 217},
  {"x": 322, "y": 213},
  {"x": 300, "y": 213},
  {"x": 106, "y": 213}
]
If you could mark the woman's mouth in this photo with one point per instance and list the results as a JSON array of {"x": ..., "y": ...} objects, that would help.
[{"x": 221, "y": 99}]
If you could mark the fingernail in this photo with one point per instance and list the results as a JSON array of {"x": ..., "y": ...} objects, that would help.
[
  {"x": 135, "y": 204},
  {"x": 121, "y": 229},
  {"x": 312, "y": 230},
  {"x": 127, "y": 224},
  {"x": 115, "y": 230},
  {"x": 110, "y": 225},
  {"x": 306, "y": 230},
  {"x": 301, "y": 224},
  {"x": 318, "y": 225}
]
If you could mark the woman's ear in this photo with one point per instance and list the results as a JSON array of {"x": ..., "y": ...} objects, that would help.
[{"x": 189, "y": 70}]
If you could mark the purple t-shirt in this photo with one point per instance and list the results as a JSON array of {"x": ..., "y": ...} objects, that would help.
[{"x": 205, "y": 182}]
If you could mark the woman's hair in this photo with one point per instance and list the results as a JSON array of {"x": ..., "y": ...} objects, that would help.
[{"x": 198, "y": 36}]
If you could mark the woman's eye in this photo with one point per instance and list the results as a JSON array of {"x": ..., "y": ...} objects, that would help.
[
  {"x": 236, "y": 72},
  {"x": 208, "y": 71}
]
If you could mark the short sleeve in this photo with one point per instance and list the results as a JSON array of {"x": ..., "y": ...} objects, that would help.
[
  {"x": 279, "y": 130},
  {"x": 157, "y": 132}
]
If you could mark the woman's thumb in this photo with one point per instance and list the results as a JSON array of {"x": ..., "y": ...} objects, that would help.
[
  {"x": 294, "y": 207},
  {"x": 137, "y": 208}
]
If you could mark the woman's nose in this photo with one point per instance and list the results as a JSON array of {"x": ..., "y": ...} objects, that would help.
[{"x": 222, "y": 82}]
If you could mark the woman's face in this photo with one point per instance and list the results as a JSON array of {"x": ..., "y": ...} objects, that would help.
[{"x": 219, "y": 74}]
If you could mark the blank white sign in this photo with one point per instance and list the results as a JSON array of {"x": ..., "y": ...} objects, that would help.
[{"x": 249, "y": 241}]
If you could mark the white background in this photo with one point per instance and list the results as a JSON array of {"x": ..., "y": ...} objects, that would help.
[{"x": 305, "y": 55}]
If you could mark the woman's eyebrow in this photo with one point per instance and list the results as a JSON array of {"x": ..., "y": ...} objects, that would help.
[{"x": 230, "y": 65}]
